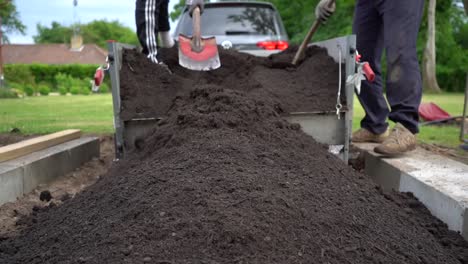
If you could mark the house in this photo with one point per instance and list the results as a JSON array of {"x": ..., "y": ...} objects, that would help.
[{"x": 53, "y": 54}]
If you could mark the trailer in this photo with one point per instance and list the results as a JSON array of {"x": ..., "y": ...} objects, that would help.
[{"x": 332, "y": 127}]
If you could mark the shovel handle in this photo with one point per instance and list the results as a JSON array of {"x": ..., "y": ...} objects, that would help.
[
  {"x": 196, "y": 36},
  {"x": 310, "y": 34},
  {"x": 305, "y": 42}
]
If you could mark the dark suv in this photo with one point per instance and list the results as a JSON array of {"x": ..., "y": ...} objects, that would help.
[{"x": 251, "y": 27}]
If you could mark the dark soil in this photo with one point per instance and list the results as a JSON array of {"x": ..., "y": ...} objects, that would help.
[
  {"x": 224, "y": 179},
  {"x": 14, "y": 215},
  {"x": 450, "y": 240},
  {"x": 11, "y": 138},
  {"x": 306, "y": 88}
]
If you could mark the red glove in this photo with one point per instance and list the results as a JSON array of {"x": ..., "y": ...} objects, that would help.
[{"x": 99, "y": 76}]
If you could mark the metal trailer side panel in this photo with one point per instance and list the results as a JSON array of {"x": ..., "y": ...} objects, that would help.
[
  {"x": 325, "y": 126},
  {"x": 347, "y": 47}
]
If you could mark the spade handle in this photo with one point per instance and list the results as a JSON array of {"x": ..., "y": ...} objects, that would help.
[
  {"x": 310, "y": 34},
  {"x": 196, "y": 37}
]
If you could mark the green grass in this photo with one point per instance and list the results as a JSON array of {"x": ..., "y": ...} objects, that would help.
[
  {"x": 93, "y": 114},
  {"x": 47, "y": 114},
  {"x": 441, "y": 135}
]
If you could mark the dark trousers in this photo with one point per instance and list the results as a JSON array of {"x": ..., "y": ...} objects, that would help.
[
  {"x": 151, "y": 16},
  {"x": 392, "y": 25}
]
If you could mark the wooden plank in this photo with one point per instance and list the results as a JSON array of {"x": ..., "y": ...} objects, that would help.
[{"x": 35, "y": 144}]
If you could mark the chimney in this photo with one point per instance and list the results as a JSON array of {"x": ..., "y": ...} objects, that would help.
[{"x": 76, "y": 43}]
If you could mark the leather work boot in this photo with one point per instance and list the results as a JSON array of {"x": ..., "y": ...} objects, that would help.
[
  {"x": 364, "y": 135},
  {"x": 400, "y": 141}
]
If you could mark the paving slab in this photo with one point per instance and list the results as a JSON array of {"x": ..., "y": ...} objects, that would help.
[
  {"x": 22, "y": 175},
  {"x": 440, "y": 183}
]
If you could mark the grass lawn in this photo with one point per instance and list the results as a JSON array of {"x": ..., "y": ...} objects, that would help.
[
  {"x": 441, "y": 135},
  {"x": 93, "y": 114},
  {"x": 46, "y": 114}
]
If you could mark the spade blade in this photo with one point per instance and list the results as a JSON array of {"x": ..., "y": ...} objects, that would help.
[{"x": 205, "y": 59}]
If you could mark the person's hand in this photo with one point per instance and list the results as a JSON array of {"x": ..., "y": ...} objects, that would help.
[
  {"x": 194, "y": 3},
  {"x": 324, "y": 10}
]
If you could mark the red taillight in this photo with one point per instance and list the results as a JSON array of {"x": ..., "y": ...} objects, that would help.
[
  {"x": 282, "y": 45},
  {"x": 273, "y": 45},
  {"x": 268, "y": 45}
]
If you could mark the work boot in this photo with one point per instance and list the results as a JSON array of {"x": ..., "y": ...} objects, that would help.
[
  {"x": 400, "y": 141},
  {"x": 364, "y": 135}
]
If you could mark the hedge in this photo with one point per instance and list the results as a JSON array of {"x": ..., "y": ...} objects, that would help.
[
  {"x": 7, "y": 93},
  {"x": 45, "y": 73}
]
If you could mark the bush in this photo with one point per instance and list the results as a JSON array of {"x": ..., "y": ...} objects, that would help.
[
  {"x": 43, "y": 73},
  {"x": 14, "y": 85},
  {"x": 85, "y": 91},
  {"x": 29, "y": 90},
  {"x": 104, "y": 88},
  {"x": 44, "y": 90},
  {"x": 18, "y": 92},
  {"x": 63, "y": 90},
  {"x": 7, "y": 93},
  {"x": 47, "y": 73},
  {"x": 20, "y": 74},
  {"x": 63, "y": 81},
  {"x": 75, "y": 90}
]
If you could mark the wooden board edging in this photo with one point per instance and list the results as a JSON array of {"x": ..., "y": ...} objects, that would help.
[{"x": 38, "y": 143}]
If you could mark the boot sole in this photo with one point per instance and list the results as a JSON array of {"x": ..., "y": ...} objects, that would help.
[{"x": 393, "y": 154}]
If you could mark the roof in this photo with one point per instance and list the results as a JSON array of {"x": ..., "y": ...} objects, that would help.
[{"x": 52, "y": 54}]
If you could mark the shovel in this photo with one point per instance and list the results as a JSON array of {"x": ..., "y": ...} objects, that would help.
[
  {"x": 197, "y": 53},
  {"x": 300, "y": 52}
]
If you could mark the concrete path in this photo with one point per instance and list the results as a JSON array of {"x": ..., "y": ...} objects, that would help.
[{"x": 21, "y": 175}]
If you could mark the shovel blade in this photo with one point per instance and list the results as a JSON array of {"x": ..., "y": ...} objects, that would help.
[{"x": 205, "y": 60}]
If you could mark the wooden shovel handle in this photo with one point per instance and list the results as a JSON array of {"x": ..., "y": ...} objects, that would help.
[
  {"x": 310, "y": 34},
  {"x": 305, "y": 42},
  {"x": 196, "y": 36}
]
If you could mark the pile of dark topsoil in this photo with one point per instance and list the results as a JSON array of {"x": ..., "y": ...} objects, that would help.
[
  {"x": 313, "y": 86},
  {"x": 224, "y": 179}
]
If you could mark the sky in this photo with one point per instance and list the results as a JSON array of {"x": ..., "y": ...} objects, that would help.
[{"x": 45, "y": 11}]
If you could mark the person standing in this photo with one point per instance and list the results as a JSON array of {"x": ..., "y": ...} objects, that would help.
[
  {"x": 392, "y": 25},
  {"x": 152, "y": 19}
]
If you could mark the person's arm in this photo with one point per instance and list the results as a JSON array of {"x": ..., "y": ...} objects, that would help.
[
  {"x": 193, "y": 4},
  {"x": 325, "y": 9}
]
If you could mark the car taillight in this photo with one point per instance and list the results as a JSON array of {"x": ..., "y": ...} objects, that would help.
[
  {"x": 273, "y": 45},
  {"x": 282, "y": 45}
]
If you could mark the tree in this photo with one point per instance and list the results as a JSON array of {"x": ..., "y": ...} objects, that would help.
[
  {"x": 10, "y": 19},
  {"x": 175, "y": 14},
  {"x": 99, "y": 31},
  {"x": 429, "y": 60},
  {"x": 96, "y": 32},
  {"x": 55, "y": 34}
]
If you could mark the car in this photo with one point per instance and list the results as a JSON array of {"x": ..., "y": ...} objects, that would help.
[{"x": 248, "y": 26}]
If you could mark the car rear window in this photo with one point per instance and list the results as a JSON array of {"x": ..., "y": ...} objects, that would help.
[{"x": 235, "y": 20}]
